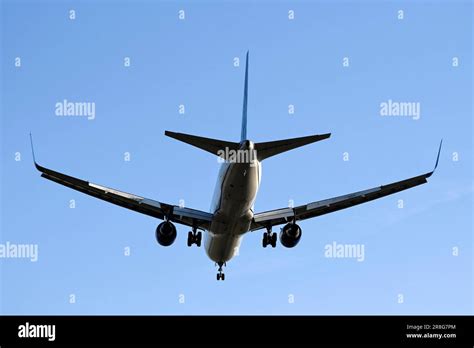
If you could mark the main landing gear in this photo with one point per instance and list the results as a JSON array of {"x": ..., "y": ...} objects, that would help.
[
  {"x": 194, "y": 237},
  {"x": 269, "y": 238},
  {"x": 220, "y": 275}
]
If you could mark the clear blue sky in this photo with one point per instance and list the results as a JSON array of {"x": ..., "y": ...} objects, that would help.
[{"x": 81, "y": 251}]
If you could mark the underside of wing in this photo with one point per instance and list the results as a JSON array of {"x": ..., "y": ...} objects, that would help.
[
  {"x": 326, "y": 206},
  {"x": 182, "y": 215}
]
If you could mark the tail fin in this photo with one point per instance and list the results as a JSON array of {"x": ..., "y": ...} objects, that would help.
[
  {"x": 263, "y": 150},
  {"x": 213, "y": 146},
  {"x": 243, "y": 134},
  {"x": 272, "y": 148}
]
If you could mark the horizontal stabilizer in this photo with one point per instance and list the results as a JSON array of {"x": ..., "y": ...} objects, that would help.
[
  {"x": 213, "y": 146},
  {"x": 272, "y": 148}
]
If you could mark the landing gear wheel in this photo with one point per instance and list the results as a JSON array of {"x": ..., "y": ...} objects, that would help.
[
  {"x": 190, "y": 238},
  {"x": 223, "y": 276},
  {"x": 265, "y": 240},
  {"x": 218, "y": 276},
  {"x": 198, "y": 239},
  {"x": 274, "y": 240}
]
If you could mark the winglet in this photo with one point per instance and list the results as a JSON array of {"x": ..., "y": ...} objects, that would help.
[
  {"x": 437, "y": 159},
  {"x": 33, "y": 152}
]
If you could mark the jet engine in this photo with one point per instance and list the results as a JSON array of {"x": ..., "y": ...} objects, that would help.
[
  {"x": 290, "y": 235},
  {"x": 165, "y": 233}
]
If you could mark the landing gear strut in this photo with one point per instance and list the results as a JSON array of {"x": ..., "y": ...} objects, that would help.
[
  {"x": 269, "y": 238},
  {"x": 220, "y": 275},
  {"x": 194, "y": 237}
]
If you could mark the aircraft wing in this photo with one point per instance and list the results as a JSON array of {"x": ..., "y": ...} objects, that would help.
[
  {"x": 181, "y": 215},
  {"x": 326, "y": 206}
]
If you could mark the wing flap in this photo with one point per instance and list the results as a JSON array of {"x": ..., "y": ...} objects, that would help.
[
  {"x": 192, "y": 214},
  {"x": 274, "y": 214}
]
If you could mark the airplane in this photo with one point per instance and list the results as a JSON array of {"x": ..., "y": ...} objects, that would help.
[{"x": 231, "y": 214}]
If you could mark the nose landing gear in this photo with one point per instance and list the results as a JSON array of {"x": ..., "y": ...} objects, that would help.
[{"x": 220, "y": 275}]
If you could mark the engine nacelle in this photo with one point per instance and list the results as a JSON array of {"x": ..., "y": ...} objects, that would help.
[
  {"x": 290, "y": 235},
  {"x": 165, "y": 233}
]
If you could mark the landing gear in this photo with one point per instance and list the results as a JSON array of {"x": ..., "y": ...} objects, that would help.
[
  {"x": 194, "y": 237},
  {"x": 269, "y": 238},
  {"x": 220, "y": 275}
]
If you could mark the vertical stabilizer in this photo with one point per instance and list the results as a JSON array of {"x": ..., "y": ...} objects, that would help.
[{"x": 243, "y": 134}]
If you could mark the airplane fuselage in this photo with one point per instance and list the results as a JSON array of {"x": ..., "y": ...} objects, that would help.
[{"x": 232, "y": 207}]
